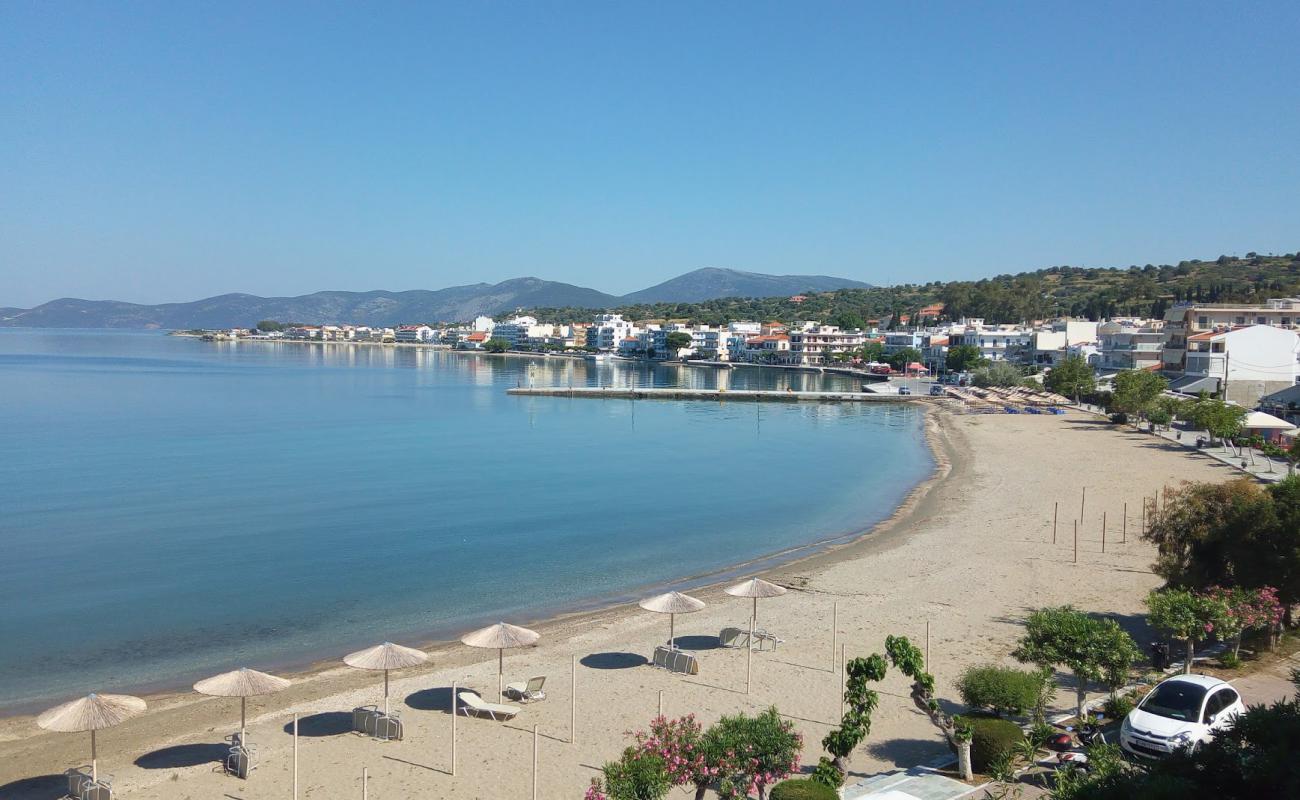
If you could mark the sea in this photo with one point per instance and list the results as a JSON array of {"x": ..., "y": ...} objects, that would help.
[{"x": 171, "y": 507}]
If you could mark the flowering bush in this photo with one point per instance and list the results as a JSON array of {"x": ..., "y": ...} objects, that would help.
[
  {"x": 681, "y": 744},
  {"x": 1241, "y": 610},
  {"x": 638, "y": 775}
]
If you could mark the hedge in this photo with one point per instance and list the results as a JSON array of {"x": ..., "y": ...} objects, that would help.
[
  {"x": 992, "y": 738},
  {"x": 1002, "y": 690},
  {"x": 802, "y": 789}
]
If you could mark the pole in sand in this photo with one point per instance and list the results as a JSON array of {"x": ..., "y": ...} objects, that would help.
[
  {"x": 1056, "y": 507},
  {"x": 1123, "y": 533},
  {"x": 534, "y": 762},
  {"x": 365, "y": 783},
  {"x": 835, "y": 626},
  {"x": 573, "y": 702},
  {"x": 453, "y": 728},
  {"x": 1082, "y": 501},
  {"x": 1103, "y": 531}
]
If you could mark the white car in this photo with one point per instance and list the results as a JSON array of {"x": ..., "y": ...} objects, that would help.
[{"x": 1182, "y": 712}]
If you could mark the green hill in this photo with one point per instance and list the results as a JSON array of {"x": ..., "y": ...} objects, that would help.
[{"x": 1094, "y": 293}]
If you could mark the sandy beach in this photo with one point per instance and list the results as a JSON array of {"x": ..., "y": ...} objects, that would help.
[{"x": 970, "y": 553}]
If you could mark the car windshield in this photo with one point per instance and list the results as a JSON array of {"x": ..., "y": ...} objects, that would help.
[{"x": 1176, "y": 700}]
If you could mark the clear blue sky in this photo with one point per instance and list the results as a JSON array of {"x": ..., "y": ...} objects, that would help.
[{"x": 168, "y": 151}]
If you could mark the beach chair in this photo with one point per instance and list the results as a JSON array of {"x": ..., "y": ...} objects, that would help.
[
  {"x": 362, "y": 717},
  {"x": 239, "y": 761},
  {"x": 733, "y": 637},
  {"x": 527, "y": 692},
  {"x": 78, "y": 778},
  {"x": 472, "y": 702},
  {"x": 96, "y": 790},
  {"x": 763, "y": 638},
  {"x": 676, "y": 661}
]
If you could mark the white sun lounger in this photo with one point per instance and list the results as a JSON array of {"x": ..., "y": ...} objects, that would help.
[
  {"x": 527, "y": 692},
  {"x": 473, "y": 702},
  {"x": 733, "y": 637}
]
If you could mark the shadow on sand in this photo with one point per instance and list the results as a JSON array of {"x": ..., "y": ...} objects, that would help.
[
  {"x": 435, "y": 699},
  {"x": 613, "y": 660},
  {"x": 183, "y": 755},
  {"x": 43, "y": 787},
  {"x": 327, "y": 723}
]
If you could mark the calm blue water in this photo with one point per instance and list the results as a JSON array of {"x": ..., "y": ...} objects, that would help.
[{"x": 170, "y": 507}]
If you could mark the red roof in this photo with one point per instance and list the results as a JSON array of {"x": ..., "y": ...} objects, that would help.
[{"x": 477, "y": 336}]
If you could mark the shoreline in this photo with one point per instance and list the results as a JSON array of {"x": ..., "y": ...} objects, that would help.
[
  {"x": 965, "y": 556},
  {"x": 306, "y": 668}
]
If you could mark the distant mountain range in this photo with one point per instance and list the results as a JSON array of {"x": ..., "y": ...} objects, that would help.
[{"x": 457, "y": 303}]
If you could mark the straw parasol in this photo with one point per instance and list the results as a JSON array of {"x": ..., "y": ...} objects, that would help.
[
  {"x": 91, "y": 713},
  {"x": 385, "y": 656},
  {"x": 242, "y": 683},
  {"x": 672, "y": 604},
  {"x": 755, "y": 588},
  {"x": 499, "y": 637}
]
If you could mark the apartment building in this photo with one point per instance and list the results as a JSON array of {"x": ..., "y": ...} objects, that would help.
[
  {"x": 609, "y": 331},
  {"x": 1189, "y": 319},
  {"x": 812, "y": 342},
  {"x": 1241, "y": 364},
  {"x": 1129, "y": 344}
]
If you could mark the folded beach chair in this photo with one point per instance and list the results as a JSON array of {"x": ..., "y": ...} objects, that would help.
[
  {"x": 96, "y": 791},
  {"x": 733, "y": 637},
  {"x": 479, "y": 706},
  {"x": 676, "y": 661},
  {"x": 763, "y": 638},
  {"x": 363, "y": 719},
  {"x": 78, "y": 778},
  {"x": 239, "y": 761},
  {"x": 527, "y": 692}
]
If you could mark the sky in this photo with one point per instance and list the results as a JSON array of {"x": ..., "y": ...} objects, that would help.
[{"x": 169, "y": 151}]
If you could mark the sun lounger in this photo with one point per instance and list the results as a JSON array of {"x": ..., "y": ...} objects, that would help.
[
  {"x": 676, "y": 661},
  {"x": 472, "y": 702},
  {"x": 762, "y": 638},
  {"x": 96, "y": 791},
  {"x": 374, "y": 723},
  {"x": 78, "y": 778},
  {"x": 239, "y": 761},
  {"x": 527, "y": 692},
  {"x": 733, "y": 637}
]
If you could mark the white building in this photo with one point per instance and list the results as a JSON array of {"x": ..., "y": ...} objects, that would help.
[
  {"x": 1129, "y": 344},
  {"x": 414, "y": 334},
  {"x": 608, "y": 332},
  {"x": 1242, "y": 364},
  {"x": 522, "y": 332},
  {"x": 484, "y": 324},
  {"x": 1189, "y": 319},
  {"x": 812, "y": 342},
  {"x": 1000, "y": 343}
]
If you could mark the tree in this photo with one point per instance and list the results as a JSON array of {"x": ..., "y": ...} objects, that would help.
[
  {"x": 1073, "y": 377},
  {"x": 637, "y": 775},
  {"x": 496, "y": 345},
  {"x": 998, "y": 373},
  {"x": 1219, "y": 419},
  {"x": 1094, "y": 650},
  {"x": 1135, "y": 389},
  {"x": 909, "y": 660},
  {"x": 871, "y": 351},
  {"x": 1241, "y": 610},
  {"x": 766, "y": 749},
  {"x": 963, "y": 357},
  {"x": 848, "y": 320},
  {"x": 1002, "y": 690},
  {"x": 1184, "y": 615},
  {"x": 860, "y": 702},
  {"x": 678, "y": 340},
  {"x": 900, "y": 359},
  {"x": 269, "y": 325}
]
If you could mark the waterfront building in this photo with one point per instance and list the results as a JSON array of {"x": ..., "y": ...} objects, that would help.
[
  {"x": 1284, "y": 403},
  {"x": 995, "y": 343},
  {"x": 609, "y": 331},
  {"x": 1129, "y": 344},
  {"x": 413, "y": 334},
  {"x": 812, "y": 342},
  {"x": 1242, "y": 364},
  {"x": 1189, "y": 319}
]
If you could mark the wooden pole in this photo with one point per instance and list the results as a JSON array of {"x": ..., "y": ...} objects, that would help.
[
  {"x": 661, "y": 703},
  {"x": 534, "y": 762},
  {"x": 365, "y": 783},
  {"x": 1103, "y": 531},
  {"x": 1076, "y": 541},
  {"x": 1056, "y": 507},
  {"x": 1082, "y": 501},
  {"x": 749, "y": 650},
  {"x": 573, "y": 702},
  {"x": 1123, "y": 533},
  {"x": 835, "y": 625},
  {"x": 453, "y": 728},
  {"x": 295, "y": 757},
  {"x": 1143, "y": 521},
  {"x": 927, "y": 645}
]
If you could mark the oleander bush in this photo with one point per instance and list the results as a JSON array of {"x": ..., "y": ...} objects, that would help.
[
  {"x": 992, "y": 740},
  {"x": 802, "y": 789}
]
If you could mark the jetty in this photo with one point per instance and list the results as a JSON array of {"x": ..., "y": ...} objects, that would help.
[{"x": 753, "y": 395}]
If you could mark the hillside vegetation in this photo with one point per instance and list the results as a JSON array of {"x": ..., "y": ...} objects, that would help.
[{"x": 1094, "y": 293}]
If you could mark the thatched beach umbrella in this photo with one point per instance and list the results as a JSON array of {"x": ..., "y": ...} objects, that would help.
[
  {"x": 91, "y": 713},
  {"x": 753, "y": 588},
  {"x": 672, "y": 604},
  {"x": 499, "y": 637},
  {"x": 385, "y": 656},
  {"x": 242, "y": 683}
]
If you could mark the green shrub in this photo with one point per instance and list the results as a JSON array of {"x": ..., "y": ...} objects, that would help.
[
  {"x": 992, "y": 740},
  {"x": 802, "y": 789},
  {"x": 1002, "y": 690},
  {"x": 636, "y": 776},
  {"x": 1119, "y": 418},
  {"x": 1117, "y": 706}
]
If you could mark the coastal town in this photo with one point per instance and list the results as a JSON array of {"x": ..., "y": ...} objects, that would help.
[{"x": 1246, "y": 354}]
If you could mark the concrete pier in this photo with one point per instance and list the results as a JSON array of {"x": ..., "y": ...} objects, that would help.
[{"x": 751, "y": 395}]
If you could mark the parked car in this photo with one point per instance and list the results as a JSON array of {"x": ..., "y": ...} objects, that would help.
[{"x": 1184, "y": 711}]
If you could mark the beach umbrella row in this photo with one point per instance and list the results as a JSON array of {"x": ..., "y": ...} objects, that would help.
[
  {"x": 386, "y": 656},
  {"x": 500, "y": 637},
  {"x": 94, "y": 712}
]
